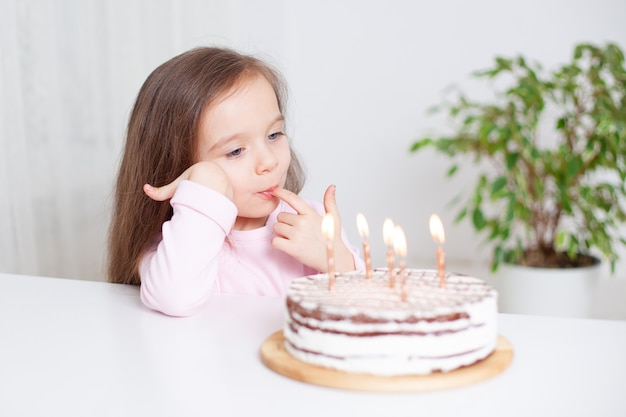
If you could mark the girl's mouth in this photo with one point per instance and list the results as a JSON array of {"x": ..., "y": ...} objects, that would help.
[{"x": 268, "y": 194}]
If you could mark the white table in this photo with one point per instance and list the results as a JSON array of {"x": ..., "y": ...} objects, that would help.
[{"x": 81, "y": 348}]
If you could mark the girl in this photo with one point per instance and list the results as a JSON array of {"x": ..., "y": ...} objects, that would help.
[{"x": 207, "y": 134}]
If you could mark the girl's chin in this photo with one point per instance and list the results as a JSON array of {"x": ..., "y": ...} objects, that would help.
[{"x": 255, "y": 219}]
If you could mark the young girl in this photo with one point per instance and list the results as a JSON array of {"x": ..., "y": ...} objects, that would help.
[{"x": 206, "y": 198}]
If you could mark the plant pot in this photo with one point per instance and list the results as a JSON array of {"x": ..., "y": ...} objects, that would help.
[{"x": 563, "y": 292}]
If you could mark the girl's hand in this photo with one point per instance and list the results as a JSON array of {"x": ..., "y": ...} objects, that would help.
[
  {"x": 300, "y": 235},
  {"x": 205, "y": 173}
]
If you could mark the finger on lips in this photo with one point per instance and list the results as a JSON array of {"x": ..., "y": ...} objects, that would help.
[{"x": 292, "y": 199}]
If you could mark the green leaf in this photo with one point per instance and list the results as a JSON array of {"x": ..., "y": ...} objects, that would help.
[
  {"x": 561, "y": 238},
  {"x": 453, "y": 169},
  {"x": 498, "y": 185},
  {"x": 478, "y": 219},
  {"x": 504, "y": 63},
  {"x": 417, "y": 145},
  {"x": 573, "y": 165},
  {"x": 498, "y": 258},
  {"x": 511, "y": 160},
  {"x": 462, "y": 214}
]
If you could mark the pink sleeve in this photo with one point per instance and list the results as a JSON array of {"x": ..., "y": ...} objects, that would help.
[{"x": 180, "y": 273}]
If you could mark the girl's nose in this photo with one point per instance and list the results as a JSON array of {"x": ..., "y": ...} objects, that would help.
[{"x": 266, "y": 160}]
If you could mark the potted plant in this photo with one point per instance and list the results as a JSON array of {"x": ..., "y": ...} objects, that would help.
[{"x": 544, "y": 197}]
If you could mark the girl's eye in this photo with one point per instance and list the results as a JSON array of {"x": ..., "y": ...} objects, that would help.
[
  {"x": 235, "y": 153},
  {"x": 275, "y": 135}
]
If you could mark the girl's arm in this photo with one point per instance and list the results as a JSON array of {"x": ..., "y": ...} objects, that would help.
[{"x": 180, "y": 272}]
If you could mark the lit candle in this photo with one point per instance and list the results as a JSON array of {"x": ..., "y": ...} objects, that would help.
[
  {"x": 436, "y": 229},
  {"x": 388, "y": 230},
  {"x": 364, "y": 232},
  {"x": 399, "y": 245},
  {"x": 328, "y": 230}
]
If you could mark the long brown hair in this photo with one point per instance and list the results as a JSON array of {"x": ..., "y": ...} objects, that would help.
[{"x": 161, "y": 143}]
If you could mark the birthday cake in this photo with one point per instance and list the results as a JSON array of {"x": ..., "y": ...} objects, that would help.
[{"x": 367, "y": 326}]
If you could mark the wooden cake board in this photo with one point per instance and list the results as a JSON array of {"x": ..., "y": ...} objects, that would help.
[{"x": 275, "y": 357}]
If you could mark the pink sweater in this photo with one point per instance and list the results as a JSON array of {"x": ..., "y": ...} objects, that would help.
[{"x": 199, "y": 254}]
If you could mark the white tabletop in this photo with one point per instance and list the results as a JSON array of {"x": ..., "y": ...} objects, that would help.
[{"x": 81, "y": 348}]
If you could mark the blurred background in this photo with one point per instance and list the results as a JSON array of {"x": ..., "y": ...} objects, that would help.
[{"x": 361, "y": 74}]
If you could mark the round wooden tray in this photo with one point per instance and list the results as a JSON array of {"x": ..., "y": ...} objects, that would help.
[{"x": 275, "y": 357}]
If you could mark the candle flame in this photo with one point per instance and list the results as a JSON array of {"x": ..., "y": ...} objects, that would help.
[
  {"x": 388, "y": 230},
  {"x": 436, "y": 229},
  {"x": 361, "y": 224},
  {"x": 328, "y": 226},
  {"x": 399, "y": 242}
]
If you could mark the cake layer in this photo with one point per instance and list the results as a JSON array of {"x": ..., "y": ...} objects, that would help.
[
  {"x": 366, "y": 326},
  {"x": 392, "y": 365}
]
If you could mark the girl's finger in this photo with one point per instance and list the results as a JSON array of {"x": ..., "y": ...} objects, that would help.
[
  {"x": 330, "y": 205},
  {"x": 330, "y": 201},
  {"x": 287, "y": 218},
  {"x": 298, "y": 204},
  {"x": 167, "y": 191},
  {"x": 159, "y": 193},
  {"x": 282, "y": 230}
]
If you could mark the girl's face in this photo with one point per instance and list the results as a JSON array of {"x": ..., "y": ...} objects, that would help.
[{"x": 243, "y": 133}]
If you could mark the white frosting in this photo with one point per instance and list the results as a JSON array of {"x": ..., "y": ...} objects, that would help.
[{"x": 363, "y": 326}]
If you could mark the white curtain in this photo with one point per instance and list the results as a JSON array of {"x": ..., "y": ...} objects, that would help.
[{"x": 69, "y": 74}]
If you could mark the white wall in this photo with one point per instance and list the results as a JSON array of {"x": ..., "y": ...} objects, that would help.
[{"x": 361, "y": 74}]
